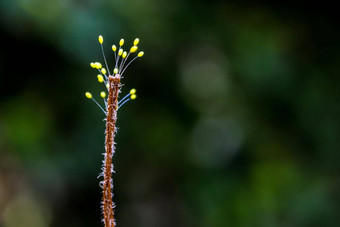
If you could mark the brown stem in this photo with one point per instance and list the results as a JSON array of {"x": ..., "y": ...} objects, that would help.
[{"x": 112, "y": 105}]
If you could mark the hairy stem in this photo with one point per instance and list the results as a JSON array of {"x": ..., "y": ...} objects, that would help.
[{"x": 112, "y": 105}]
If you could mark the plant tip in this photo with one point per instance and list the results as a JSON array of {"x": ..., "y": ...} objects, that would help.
[
  {"x": 135, "y": 42},
  {"x": 133, "y": 49},
  {"x": 132, "y": 91},
  {"x": 100, "y": 39},
  {"x": 120, "y": 52},
  {"x": 100, "y": 78},
  {"x": 140, "y": 54},
  {"x": 98, "y": 65},
  {"x": 88, "y": 95},
  {"x": 114, "y": 48},
  {"x": 121, "y": 42}
]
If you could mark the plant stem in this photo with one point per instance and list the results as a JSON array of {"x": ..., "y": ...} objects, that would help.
[{"x": 112, "y": 105}]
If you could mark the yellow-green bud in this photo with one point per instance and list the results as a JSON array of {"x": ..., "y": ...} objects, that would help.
[
  {"x": 100, "y": 78},
  {"x": 135, "y": 43},
  {"x": 103, "y": 70},
  {"x": 100, "y": 39},
  {"x": 132, "y": 91},
  {"x": 133, "y": 49},
  {"x": 88, "y": 95},
  {"x": 121, "y": 42},
  {"x": 114, "y": 48},
  {"x": 134, "y": 96},
  {"x": 115, "y": 70},
  {"x": 140, "y": 54},
  {"x": 124, "y": 54},
  {"x": 103, "y": 94},
  {"x": 98, "y": 65},
  {"x": 120, "y": 52}
]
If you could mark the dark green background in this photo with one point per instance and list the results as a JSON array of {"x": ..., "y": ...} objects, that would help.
[{"x": 236, "y": 122}]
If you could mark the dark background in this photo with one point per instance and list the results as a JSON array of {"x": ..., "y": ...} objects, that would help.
[{"x": 236, "y": 121}]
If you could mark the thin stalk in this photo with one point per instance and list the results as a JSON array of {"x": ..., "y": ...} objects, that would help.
[
  {"x": 107, "y": 67},
  {"x": 128, "y": 64},
  {"x": 120, "y": 105},
  {"x": 98, "y": 105},
  {"x": 125, "y": 97}
]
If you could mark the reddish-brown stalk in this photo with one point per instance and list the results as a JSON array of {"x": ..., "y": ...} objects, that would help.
[{"x": 112, "y": 105}]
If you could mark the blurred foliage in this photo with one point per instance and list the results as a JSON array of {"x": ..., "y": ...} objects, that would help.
[{"x": 236, "y": 122}]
